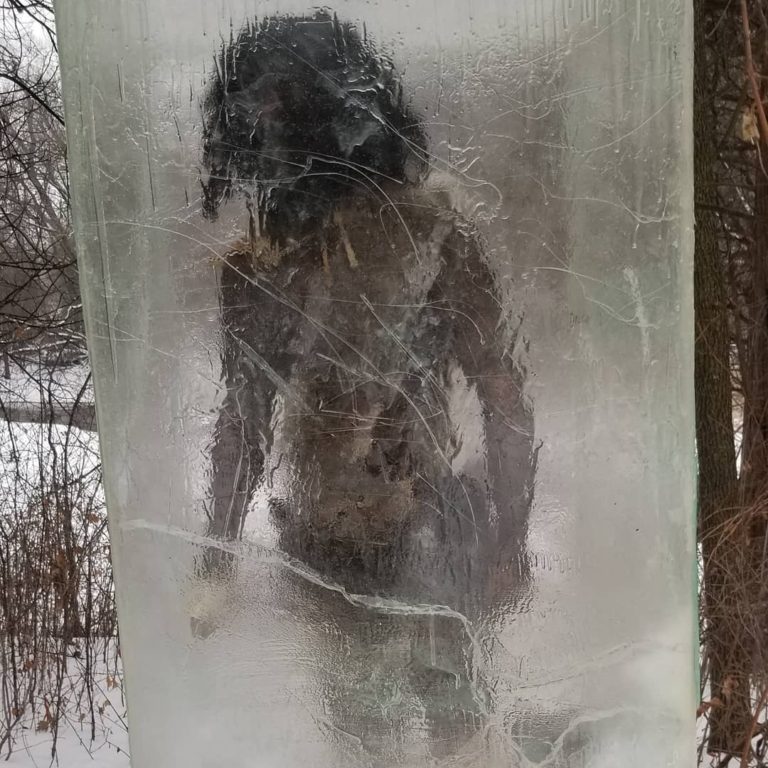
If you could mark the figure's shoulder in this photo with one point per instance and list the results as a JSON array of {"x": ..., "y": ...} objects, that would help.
[
  {"x": 423, "y": 214},
  {"x": 262, "y": 256}
]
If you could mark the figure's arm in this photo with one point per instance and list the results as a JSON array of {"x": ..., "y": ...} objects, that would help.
[
  {"x": 242, "y": 428},
  {"x": 499, "y": 482}
]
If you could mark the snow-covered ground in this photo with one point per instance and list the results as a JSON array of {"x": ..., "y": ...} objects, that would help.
[
  {"x": 33, "y": 383},
  {"x": 31, "y": 747},
  {"x": 74, "y": 749}
]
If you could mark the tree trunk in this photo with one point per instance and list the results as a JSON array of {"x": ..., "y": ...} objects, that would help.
[
  {"x": 79, "y": 415},
  {"x": 728, "y": 660}
]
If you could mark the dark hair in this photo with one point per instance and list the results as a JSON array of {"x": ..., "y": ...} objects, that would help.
[{"x": 302, "y": 111}]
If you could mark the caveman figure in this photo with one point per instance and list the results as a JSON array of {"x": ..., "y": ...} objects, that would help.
[{"x": 371, "y": 386}]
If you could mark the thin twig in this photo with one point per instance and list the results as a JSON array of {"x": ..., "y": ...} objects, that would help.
[{"x": 751, "y": 732}]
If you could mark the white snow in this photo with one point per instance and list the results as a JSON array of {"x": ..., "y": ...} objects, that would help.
[{"x": 31, "y": 747}]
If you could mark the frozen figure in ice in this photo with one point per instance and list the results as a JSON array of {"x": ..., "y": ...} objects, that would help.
[{"x": 372, "y": 391}]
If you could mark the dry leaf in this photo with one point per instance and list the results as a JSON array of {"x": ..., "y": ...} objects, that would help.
[
  {"x": 729, "y": 686},
  {"x": 705, "y": 706},
  {"x": 749, "y": 129},
  {"x": 45, "y": 723}
]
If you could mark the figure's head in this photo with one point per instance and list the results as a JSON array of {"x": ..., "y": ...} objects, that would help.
[{"x": 302, "y": 113}]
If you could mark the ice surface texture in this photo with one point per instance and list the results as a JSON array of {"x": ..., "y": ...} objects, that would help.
[{"x": 390, "y": 318}]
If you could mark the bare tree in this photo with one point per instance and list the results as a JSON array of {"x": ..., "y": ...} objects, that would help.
[
  {"x": 731, "y": 302},
  {"x": 38, "y": 279},
  {"x": 56, "y": 599}
]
